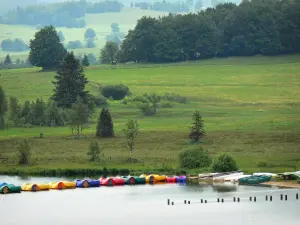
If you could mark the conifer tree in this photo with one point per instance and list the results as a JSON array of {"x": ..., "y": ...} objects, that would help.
[
  {"x": 85, "y": 61},
  {"x": 7, "y": 60},
  {"x": 105, "y": 126},
  {"x": 197, "y": 129},
  {"x": 3, "y": 108},
  {"x": 70, "y": 82}
]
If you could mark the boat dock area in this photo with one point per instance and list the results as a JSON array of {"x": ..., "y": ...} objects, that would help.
[{"x": 282, "y": 184}]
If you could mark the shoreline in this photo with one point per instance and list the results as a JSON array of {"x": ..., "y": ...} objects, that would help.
[{"x": 282, "y": 184}]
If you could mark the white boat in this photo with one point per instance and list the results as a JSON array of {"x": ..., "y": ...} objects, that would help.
[
  {"x": 265, "y": 174},
  {"x": 228, "y": 177}
]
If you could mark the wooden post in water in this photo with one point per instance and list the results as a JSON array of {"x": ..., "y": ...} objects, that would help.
[
  {"x": 250, "y": 198},
  {"x": 297, "y": 196},
  {"x": 286, "y": 197},
  {"x": 172, "y": 203},
  {"x": 218, "y": 200},
  {"x": 189, "y": 202},
  {"x": 266, "y": 197},
  {"x": 201, "y": 200},
  {"x": 222, "y": 200},
  {"x": 281, "y": 197},
  {"x": 271, "y": 198},
  {"x": 205, "y": 201},
  {"x": 238, "y": 199},
  {"x": 234, "y": 199},
  {"x": 254, "y": 199},
  {"x": 184, "y": 201},
  {"x": 168, "y": 201}
]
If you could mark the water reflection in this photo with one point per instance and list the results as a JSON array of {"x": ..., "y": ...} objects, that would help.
[{"x": 225, "y": 187}]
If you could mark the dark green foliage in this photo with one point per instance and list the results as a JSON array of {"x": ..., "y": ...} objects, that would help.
[
  {"x": 47, "y": 54},
  {"x": 100, "y": 100},
  {"x": 74, "y": 44},
  {"x": 224, "y": 163},
  {"x": 7, "y": 60},
  {"x": 197, "y": 129},
  {"x": 16, "y": 45},
  {"x": 94, "y": 152},
  {"x": 89, "y": 34},
  {"x": 14, "y": 111},
  {"x": 105, "y": 126},
  {"x": 61, "y": 36},
  {"x": 24, "y": 152},
  {"x": 116, "y": 92},
  {"x": 131, "y": 132},
  {"x": 78, "y": 116},
  {"x": 70, "y": 82},
  {"x": 54, "y": 116},
  {"x": 3, "y": 108},
  {"x": 90, "y": 43},
  {"x": 267, "y": 27},
  {"x": 195, "y": 157},
  {"x": 149, "y": 108},
  {"x": 109, "y": 54},
  {"x": 85, "y": 61},
  {"x": 92, "y": 59}
]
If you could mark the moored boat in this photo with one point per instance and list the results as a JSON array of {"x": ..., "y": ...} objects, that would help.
[
  {"x": 9, "y": 188},
  {"x": 255, "y": 179},
  {"x": 35, "y": 187}
]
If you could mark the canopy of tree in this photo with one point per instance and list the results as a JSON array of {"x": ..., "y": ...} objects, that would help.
[
  {"x": 266, "y": 27},
  {"x": 164, "y": 6},
  {"x": 16, "y": 45}
]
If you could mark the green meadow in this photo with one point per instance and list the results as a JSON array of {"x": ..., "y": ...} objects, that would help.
[
  {"x": 101, "y": 23},
  {"x": 250, "y": 107}
]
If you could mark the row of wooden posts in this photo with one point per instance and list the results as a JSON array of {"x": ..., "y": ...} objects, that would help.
[{"x": 236, "y": 199}]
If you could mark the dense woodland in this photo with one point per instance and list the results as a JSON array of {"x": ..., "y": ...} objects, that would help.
[{"x": 265, "y": 27}]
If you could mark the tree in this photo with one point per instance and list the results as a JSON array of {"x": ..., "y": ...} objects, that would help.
[
  {"x": 105, "y": 126},
  {"x": 92, "y": 59},
  {"x": 3, "y": 108},
  {"x": 46, "y": 54},
  {"x": 70, "y": 82},
  {"x": 24, "y": 152},
  {"x": 197, "y": 129},
  {"x": 61, "y": 36},
  {"x": 85, "y": 61},
  {"x": 54, "y": 115},
  {"x": 116, "y": 92},
  {"x": 109, "y": 53},
  {"x": 152, "y": 103},
  {"x": 79, "y": 115},
  {"x": 90, "y": 43},
  {"x": 89, "y": 34},
  {"x": 115, "y": 27},
  {"x": 224, "y": 163},
  {"x": 131, "y": 132},
  {"x": 14, "y": 111},
  {"x": 7, "y": 60},
  {"x": 195, "y": 157},
  {"x": 74, "y": 44},
  {"x": 94, "y": 152}
]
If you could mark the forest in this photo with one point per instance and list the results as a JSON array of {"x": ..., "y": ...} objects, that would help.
[{"x": 267, "y": 27}]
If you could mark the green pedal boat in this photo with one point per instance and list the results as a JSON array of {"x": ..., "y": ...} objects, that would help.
[
  {"x": 9, "y": 188},
  {"x": 255, "y": 179},
  {"x": 131, "y": 180}
]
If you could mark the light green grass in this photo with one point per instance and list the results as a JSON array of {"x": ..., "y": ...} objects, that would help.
[
  {"x": 101, "y": 23},
  {"x": 250, "y": 107}
]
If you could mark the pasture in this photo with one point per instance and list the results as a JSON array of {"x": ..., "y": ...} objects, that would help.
[{"x": 250, "y": 108}]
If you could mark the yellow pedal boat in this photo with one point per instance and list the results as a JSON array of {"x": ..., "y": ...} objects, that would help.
[
  {"x": 35, "y": 187},
  {"x": 154, "y": 178},
  {"x": 62, "y": 185}
]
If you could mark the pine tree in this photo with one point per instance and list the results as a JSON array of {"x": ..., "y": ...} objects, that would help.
[
  {"x": 7, "y": 60},
  {"x": 197, "y": 129},
  {"x": 70, "y": 82},
  {"x": 3, "y": 108},
  {"x": 85, "y": 61},
  {"x": 105, "y": 126}
]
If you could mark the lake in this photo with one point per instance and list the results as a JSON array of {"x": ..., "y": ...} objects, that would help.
[{"x": 147, "y": 205}]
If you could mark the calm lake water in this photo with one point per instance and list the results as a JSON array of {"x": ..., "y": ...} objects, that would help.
[{"x": 147, "y": 205}]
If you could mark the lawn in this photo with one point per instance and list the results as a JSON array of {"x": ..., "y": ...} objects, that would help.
[
  {"x": 250, "y": 107},
  {"x": 101, "y": 23}
]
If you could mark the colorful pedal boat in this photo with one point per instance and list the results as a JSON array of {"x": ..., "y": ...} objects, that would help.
[
  {"x": 62, "y": 185},
  {"x": 254, "y": 179},
  {"x": 154, "y": 178},
  {"x": 35, "y": 187},
  {"x": 111, "y": 181},
  {"x": 87, "y": 183},
  {"x": 176, "y": 179},
  {"x": 131, "y": 180},
  {"x": 9, "y": 188}
]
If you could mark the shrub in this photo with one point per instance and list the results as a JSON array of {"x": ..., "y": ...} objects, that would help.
[
  {"x": 24, "y": 152},
  {"x": 146, "y": 109},
  {"x": 117, "y": 92},
  {"x": 94, "y": 152},
  {"x": 100, "y": 100},
  {"x": 166, "y": 104},
  {"x": 195, "y": 158},
  {"x": 74, "y": 44},
  {"x": 224, "y": 163},
  {"x": 172, "y": 97}
]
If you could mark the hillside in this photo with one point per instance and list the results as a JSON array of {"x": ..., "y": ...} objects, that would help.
[
  {"x": 101, "y": 23},
  {"x": 250, "y": 107}
]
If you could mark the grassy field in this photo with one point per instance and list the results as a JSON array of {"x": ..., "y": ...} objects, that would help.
[
  {"x": 250, "y": 106},
  {"x": 127, "y": 19}
]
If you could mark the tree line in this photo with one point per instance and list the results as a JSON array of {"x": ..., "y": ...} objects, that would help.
[
  {"x": 163, "y": 6},
  {"x": 66, "y": 14},
  {"x": 267, "y": 27}
]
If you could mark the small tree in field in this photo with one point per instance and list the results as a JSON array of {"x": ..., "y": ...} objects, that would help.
[
  {"x": 197, "y": 129},
  {"x": 7, "y": 60},
  {"x": 85, "y": 61},
  {"x": 24, "y": 152},
  {"x": 79, "y": 115},
  {"x": 94, "y": 152},
  {"x": 131, "y": 132},
  {"x": 105, "y": 126}
]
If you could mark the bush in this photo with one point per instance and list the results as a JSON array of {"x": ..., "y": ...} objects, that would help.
[
  {"x": 166, "y": 104},
  {"x": 100, "y": 100},
  {"x": 195, "y": 158},
  {"x": 146, "y": 109},
  {"x": 172, "y": 97},
  {"x": 74, "y": 44},
  {"x": 94, "y": 152},
  {"x": 117, "y": 92},
  {"x": 24, "y": 152},
  {"x": 224, "y": 163}
]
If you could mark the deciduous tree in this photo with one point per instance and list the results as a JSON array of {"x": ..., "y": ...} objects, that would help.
[{"x": 131, "y": 132}]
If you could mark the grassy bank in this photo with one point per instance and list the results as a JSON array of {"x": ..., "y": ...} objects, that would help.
[{"x": 250, "y": 107}]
